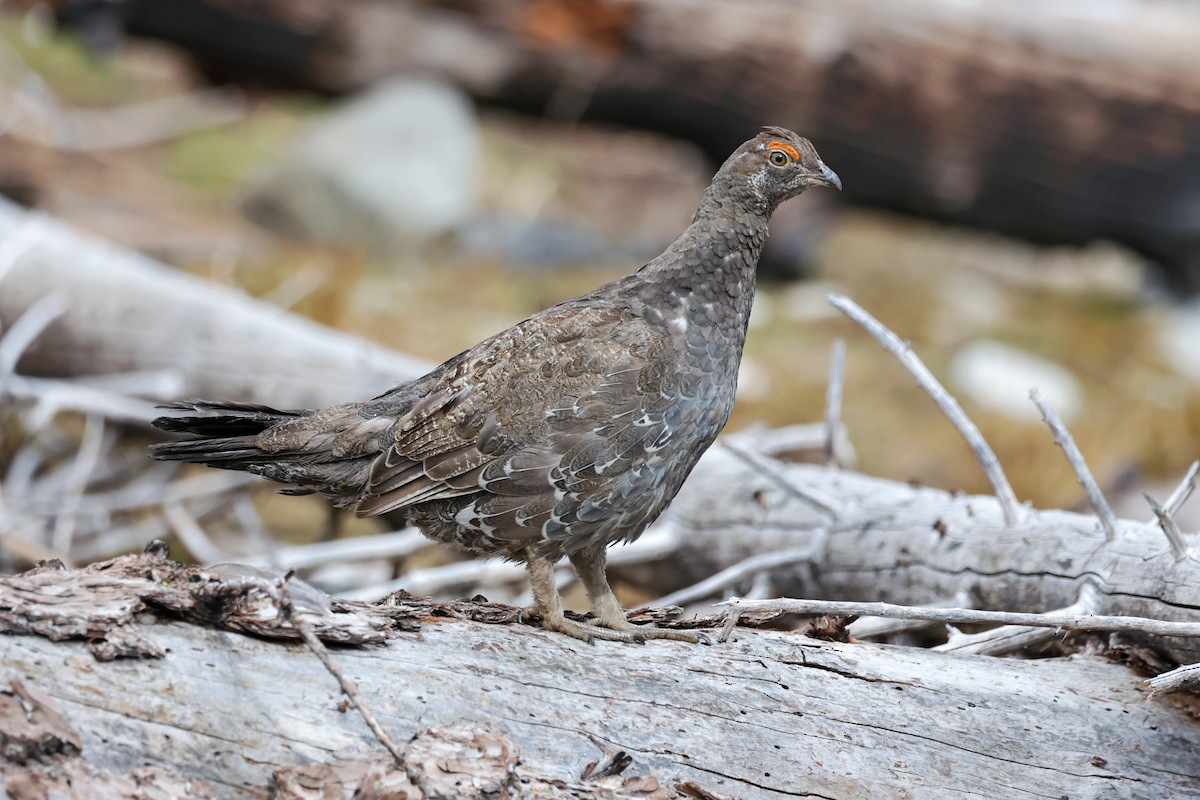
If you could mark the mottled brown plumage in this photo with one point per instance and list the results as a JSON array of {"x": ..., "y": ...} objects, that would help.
[{"x": 568, "y": 432}]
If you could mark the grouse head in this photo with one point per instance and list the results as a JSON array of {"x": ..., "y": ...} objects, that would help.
[{"x": 772, "y": 167}]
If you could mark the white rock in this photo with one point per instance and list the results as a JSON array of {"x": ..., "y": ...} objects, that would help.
[
  {"x": 397, "y": 164},
  {"x": 1179, "y": 336},
  {"x": 999, "y": 377}
]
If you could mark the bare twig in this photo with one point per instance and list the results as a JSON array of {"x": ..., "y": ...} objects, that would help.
[
  {"x": 1014, "y": 638},
  {"x": 86, "y": 459},
  {"x": 767, "y": 470},
  {"x": 749, "y": 567},
  {"x": 762, "y": 587},
  {"x": 1176, "y": 679},
  {"x": 13, "y": 247},
  {"x": 19, "y": 479},
  {"x": 998, "y": 641},
  {"x": 959, "y": 616},
  {"x": 1170, "y": 528},
  {"x": 52, "y": 396},
  {"x": 245, "y": 512},
  {"x": 27, "y": 328},
  {"x": 151, "y": 490},
  {"x": 22, "y": 545},
  {"x": 361, "y": 548},
  {"x": 791, "y": 440},
  {"x": 949, "y": 406},
  {"x": 1183, "y": 491},
  {"x": 298, "y": 285},
  {"x": 1062, "y": 437},
  {"x": 655, "y": 544},
  {"x": 131, "y": 536},
  {"x": 438, "y": 579},
  {"x": 874, "y": 627},
  {"x": 191, "y": 534},
  {"x": 321, "y": 652},
  {"x": 833, "y": 402}
]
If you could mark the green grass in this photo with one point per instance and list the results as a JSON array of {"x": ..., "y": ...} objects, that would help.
[
  {"x": 219, "y": 162},
  {"x": 74, "y": 75}
]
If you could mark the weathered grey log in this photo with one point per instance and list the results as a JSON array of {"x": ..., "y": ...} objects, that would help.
[
  {"x": 979, "y": 113},
  {"x": 128, "y": 313},
  {"x": 894, "y": 542},
  {"x": 41, "y": 757},
  {"x": 769, "y": 715}
]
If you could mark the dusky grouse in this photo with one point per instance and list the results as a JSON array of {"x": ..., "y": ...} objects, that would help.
[{"x": 567, "y": 432}]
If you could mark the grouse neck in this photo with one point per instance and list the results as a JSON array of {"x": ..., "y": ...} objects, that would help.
[{"x": 715, "y": 257}]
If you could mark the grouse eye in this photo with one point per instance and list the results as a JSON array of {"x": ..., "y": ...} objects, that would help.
[{"x": 778, "y": 158}]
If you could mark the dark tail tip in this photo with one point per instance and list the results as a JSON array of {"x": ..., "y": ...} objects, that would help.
[
  {"x": 225, "y": 432},
  {"x": 212, "y": 419}
]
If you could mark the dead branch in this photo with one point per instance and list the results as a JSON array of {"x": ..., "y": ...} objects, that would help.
[
  {"x": 112, "y": 297},
  {"x": 287, "y": 610},
  {"x": 833, "y": 403},
  {"x": 960, "y": 616},
  {"x": 1063, "y": 438},
  {"x": 1176, "y": 679},
  {"x": 949, "y": 406},
  {"x": 1170, "y": 528},
  {"x": 1017, "y": 638},
  {"x": 1184, "y": 490}
]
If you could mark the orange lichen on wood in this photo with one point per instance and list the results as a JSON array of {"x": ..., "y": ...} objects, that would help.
[{"x": 599, "y": 24}]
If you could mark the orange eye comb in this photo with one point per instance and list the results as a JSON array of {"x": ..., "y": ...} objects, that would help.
[{"x": 785, "y": 147}]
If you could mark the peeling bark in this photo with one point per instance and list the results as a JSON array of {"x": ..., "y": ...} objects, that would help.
[{"x": 100, "y": 604}]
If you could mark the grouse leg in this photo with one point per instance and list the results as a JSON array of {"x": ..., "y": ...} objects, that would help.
[
  {"x": 548, "y": 604},
  {"x": 589, "y": 564}
]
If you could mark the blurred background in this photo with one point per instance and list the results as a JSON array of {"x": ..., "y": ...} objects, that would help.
[{"x": 1022, "y": 203}]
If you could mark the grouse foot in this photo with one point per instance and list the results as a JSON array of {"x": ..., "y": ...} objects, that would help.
[
  {"x": 611, "y": 624},
  {"x": 627, "y": 632}
]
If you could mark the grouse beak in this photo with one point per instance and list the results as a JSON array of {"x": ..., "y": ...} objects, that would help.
[{"x": 828, "y": 177}]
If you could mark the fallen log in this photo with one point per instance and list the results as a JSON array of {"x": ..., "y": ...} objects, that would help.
[
  {"x": 121, "y": 312},
  {"x": 979, "y": 114},
  {"x": 884, "y": 540},
  {"x": 768, "y": 715}
]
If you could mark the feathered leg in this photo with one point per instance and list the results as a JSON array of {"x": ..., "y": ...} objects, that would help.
[
  {"x": 548, "y": 604},
  {"x": 589, "y": 564}
]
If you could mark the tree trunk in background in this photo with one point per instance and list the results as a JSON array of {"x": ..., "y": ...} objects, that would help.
[{"x": 1063, "y": 125}]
